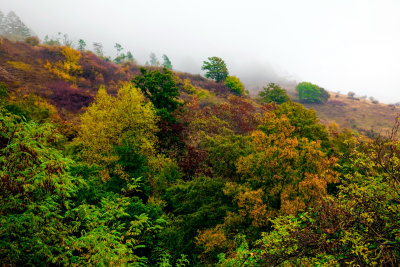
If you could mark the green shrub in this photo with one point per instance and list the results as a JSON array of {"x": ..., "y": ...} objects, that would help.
[
  {"x": 273, "y": 93},
  {"x": 311, "y": 93},
  {"x": 234, "y": 84}
]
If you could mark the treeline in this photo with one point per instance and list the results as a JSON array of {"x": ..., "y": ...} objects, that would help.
[{"x": 166, "y": 173}]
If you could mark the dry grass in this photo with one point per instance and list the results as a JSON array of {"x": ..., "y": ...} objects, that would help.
[{"x": 361, "y": 114}]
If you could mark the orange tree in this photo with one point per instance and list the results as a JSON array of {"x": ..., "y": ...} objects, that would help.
[{"x": 283, "y": 174}]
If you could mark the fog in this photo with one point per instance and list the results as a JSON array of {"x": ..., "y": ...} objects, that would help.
[{"x": 341, "y": 45}]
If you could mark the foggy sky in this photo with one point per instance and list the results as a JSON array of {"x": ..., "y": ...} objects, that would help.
[{"x": 341, "y": 45}]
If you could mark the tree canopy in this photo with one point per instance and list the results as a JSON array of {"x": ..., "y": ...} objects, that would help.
[
  {"x": 273, "y": 93},
  {"x": 311, "y": 93},
  {"x": 216, "y": 69}
]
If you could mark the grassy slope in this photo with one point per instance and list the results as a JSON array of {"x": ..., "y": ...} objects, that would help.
[{"x": 361, "y": 115}]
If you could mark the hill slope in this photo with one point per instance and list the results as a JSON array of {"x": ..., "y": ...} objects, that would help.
[{"x": 357, "y": 114}]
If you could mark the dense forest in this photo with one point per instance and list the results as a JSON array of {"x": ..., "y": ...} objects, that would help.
[{"x": 109, "y": 163}]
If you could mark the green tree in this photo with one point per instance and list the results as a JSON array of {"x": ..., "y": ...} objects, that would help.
[
  {"x": 161, "y": 89},
  {"x": 129, "y": 57},
  {"x": 81, "y": 45},
  {"x": 167, "y": 63},
  {"x": 234, "y": 83},
  {"x": 311, "y": 93},
  {"x": 273, "y": 93},
  {"x": 216, "y": 69}
]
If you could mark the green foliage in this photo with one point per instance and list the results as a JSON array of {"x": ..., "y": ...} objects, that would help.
[
  {"x": 311, "y": 93},
  {"x": 224, "y": 152},
  {"x": 3, "y": 93},
  {"x": 35, "y": 186},
  {"x": 161, "y": 89},
  {"x": 167, "y": 63},
  {"x": 216, "y": 69},
  {"x": 81, "y": 45},
  {"x": 31, "y": 107},
  {"x": 196, "y": 204},
  {"x": 236, "y": 86},
  {"x": 273, "y": 93}
]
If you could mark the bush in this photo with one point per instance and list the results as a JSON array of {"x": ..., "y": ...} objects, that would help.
[
  {"x": 311, "y": 93},
  {"x": 32, "y": 40},
  {"x": 234, "y": 84},
  {"x": 273, "y": 93}
]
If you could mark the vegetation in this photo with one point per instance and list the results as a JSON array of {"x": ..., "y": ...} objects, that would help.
[
  {"x": 311, "y": 93},
  {"x": 216, "y": 69},
  {"x": 273, "y": 93},
  {"x": 236, "y": 86},
  {"x": 169, "y": 169}
]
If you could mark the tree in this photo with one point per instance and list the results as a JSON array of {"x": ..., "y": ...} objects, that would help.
[
  {"x": 358, "y": 226},
  {"x": 13, "y": 27},
  {"x": 216, "y": 69},
  {"x": 311, "y": 93},
  {"x": 129, "y": 57},
  {"x": 161, "y": 89},
  {"x": 81, "y": 45},
  {"x": 111, "y": 120},
  {"x": 273, "y": 93},
  {"x": 153, "y": 60},
  {"x": 98, "y": 49},
  {"x": 67, "y": 41},
  {"x": 119, "y": 48},
  {"x": 234, "y": 83},
  {"x": 167, "y": 63}
]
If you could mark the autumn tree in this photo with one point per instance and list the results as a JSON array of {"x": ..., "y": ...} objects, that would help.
[
  {"x": 216, "y": 69},
  {"x": 69, "y": 68},
  {"x": 111, "y": 121},
  {"x": 357, "y": 226},
  {"x": 280, "y": 174},
  {"x": 234, "y": 84}
]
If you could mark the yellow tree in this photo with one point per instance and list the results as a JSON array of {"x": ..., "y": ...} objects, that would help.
[
  {"x": 69, "y": 68},
  {"x": 110, "y": 121}
]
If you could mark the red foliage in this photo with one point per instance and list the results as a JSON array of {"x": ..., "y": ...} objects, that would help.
[
  {"x": 239, "y": 113},
  {"x": 71, "y": 99}
]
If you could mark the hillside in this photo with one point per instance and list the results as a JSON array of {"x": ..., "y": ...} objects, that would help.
[
  {"x": 23, "y": 69},
  {"x": 358, "y": 114},
  {"x": 105, "y": 164},
  {"x": 354, "y": 113}
]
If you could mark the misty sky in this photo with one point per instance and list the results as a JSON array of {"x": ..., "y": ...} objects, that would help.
[{"x": 341, "y": 45}]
